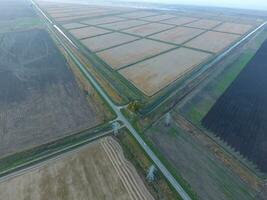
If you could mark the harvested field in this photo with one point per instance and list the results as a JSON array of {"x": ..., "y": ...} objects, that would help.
[
  {"x": 234, "y": 28},
  {"x": 107, "y": 41},
  {"x": 87, "y": 32},
  {"x": 158, "y": 18},
  {"x": 156, "y": 73},
  {"x": 138, "y": 14},
  {"x": 73, "y": 25},
  {"x": 177, "y": 35},
  {"x": 40, "y": 100},
  {"x": 97, "y": 171},
  {"x": 148, "y": 29},
  {"x": 103, "y": 20},
  {"x": 212, "y": 41},
  {"x": 132, "y": 52},
  {"x": 239, "y": 116},
  {"x": 179, "y": 20},
  {"x": 204, "y": 23},
  {"x": 123, "y": 24}
]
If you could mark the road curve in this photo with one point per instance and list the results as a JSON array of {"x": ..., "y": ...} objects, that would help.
[{"x": 115, "y": 108}]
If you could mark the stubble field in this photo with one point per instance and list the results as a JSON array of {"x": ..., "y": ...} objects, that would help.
[{"x": 97, "y": 171}]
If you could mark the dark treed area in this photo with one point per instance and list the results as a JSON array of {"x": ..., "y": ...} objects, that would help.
[{"x": 239, "y": 116}]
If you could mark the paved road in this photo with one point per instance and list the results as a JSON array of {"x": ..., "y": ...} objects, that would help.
[{"x": 116, "y": 109}]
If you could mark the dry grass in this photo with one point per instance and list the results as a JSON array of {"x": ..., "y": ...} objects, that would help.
[
  {"x": 212, "y": 41},
  {"x": 234, "y": 28},
  {"x": 86, "y": 32},
  {"x": 132, "y": 52},
  {"x": 177, "y": 35},
  {"x": 98, "y": 171},
  {"x": 156, "y": 73},
  {"x": 107, "y": 41}
]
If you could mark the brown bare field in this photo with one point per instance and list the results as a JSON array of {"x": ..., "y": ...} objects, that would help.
[
  {"x": 156, "y": 73},
  {"x": 97, "y": 171},
  {"x": 138, "y": 14},
  {"x": 212, "y": 41},
  {"x": 179, "y": 20},
  {"x": 73, "y": 25},
  {"x": 204, "y": 23},
  {"x": 234, "y": 28},
  {"x": 40, "y": 100},
  {"x": 158, "y": 18},
  {"x": 123, "y": 24},
  {"x": 177, "y": 35},
  {"x": 148, "y": 29},
  {"x": 103, "y": 20},
  {"x": 106, "y": 41},
  {"x": 132, "y": 52},
  {"x": 86, "y": 32}
]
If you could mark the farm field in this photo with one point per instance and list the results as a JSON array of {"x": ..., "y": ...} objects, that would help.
[
  {"x": 191, "y": 157},
  {"x": 209, "y": 32},
  {"x": 177, "y": 35},
  {"x": 150, "y": 76},
  {"x": 86, "y": 32},
  {"x": 129, "y": 53},
  {"x": 107, "y": 41},
  {"x": 40, "y": 100},
  {"x": 97, "y": 171},
  {"x": 204, "y": 23},
  {"x": 145, "y": 30},
  {"x": 212, "y": 41},
  {"x": 234, "y": 28},
  {"x": 239, "y": 115}
]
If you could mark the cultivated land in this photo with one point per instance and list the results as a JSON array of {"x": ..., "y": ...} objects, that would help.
[
  {"x": 73, "y": 25},
  {"x": 103, "y": 20},
  {"x": 123, "y": 55},
  {"x": 239, "y": 116},
  {"x": 87, "y": 32},
  {"x": 234, "y": 28},
  {"x": 158, "y": 18},
  {"x": 179, "y": 20},
  {"x": 148, "y": 29},
  {"x": 188, "y": 28},
  {"x": 107, "y": 41},
  {"x": 177, "y": 35},
  {"x": 97, "y": 171},
  {"x": 150, "y": 76},
  {"x": 212, "y": 41},
  {"x": 123, "y": 24},
  {"x": 40, "y": 99},
  {"x": 204, "y": 23}
]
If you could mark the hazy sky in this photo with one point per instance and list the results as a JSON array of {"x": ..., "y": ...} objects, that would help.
[{"x": 250, "y": 4}]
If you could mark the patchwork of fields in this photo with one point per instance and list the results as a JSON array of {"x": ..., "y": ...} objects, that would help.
[
  {"x": 98, "y": 171},
  {"x": 124, "y": 38}
]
